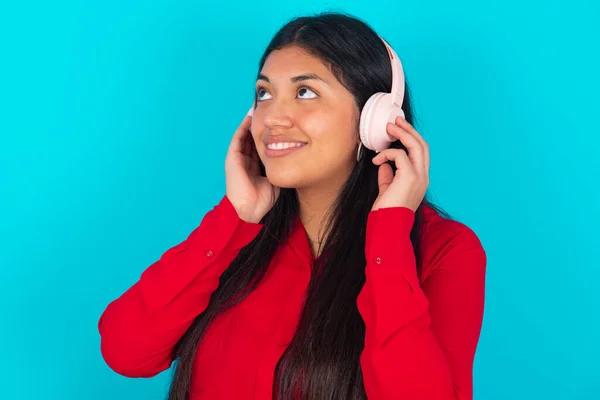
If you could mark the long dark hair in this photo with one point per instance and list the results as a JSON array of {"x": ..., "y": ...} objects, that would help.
[{"x": 322, "y": 360}]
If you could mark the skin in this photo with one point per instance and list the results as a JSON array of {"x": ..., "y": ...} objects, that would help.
[{"x": 321, "y": 113}]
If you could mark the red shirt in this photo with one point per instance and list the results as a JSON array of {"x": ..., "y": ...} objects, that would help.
[{"x": 421, "y": 331}]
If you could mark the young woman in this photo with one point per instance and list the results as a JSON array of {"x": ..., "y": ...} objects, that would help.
[{"x": 317, "y": 276}]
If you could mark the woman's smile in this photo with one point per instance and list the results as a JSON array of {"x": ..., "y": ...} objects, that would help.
[{"x": 282, "y": 148}]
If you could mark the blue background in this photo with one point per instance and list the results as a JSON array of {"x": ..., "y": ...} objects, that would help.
[{"x": 115, "y": 118}]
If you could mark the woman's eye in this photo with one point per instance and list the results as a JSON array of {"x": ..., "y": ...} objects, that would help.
[
  {"x": 305, "y": 90},
  {"x": 303, "y": 93},
  {"x": 259, "y": 93}
]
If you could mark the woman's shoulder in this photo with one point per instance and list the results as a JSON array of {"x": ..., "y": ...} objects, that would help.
[
  {"x": 438, "y": 226},
  {"x": 442, "y": 236}
]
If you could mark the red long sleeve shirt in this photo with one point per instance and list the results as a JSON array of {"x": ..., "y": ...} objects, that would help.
[{"x": 421, "y": 330}]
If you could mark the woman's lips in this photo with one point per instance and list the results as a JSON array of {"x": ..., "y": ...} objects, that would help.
[{"x": 278, "y": 152}]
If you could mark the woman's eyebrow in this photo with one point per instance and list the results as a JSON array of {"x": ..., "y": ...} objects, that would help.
[{"x": 299, "y": 78}]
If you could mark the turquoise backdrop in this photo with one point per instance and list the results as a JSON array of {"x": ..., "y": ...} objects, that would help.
[{"x": 114, "y": 122}]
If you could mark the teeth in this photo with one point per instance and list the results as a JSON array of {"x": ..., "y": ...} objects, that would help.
[{"x": 283, "y": 145}]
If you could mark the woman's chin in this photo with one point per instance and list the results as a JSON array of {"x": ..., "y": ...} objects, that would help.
[{"x": 285, "y": 179}]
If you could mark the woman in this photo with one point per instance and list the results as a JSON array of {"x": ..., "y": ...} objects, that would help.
[{"x": 317, "y": 276}]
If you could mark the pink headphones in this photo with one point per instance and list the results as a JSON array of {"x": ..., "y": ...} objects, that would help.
[{"x": 380, "y": 109}]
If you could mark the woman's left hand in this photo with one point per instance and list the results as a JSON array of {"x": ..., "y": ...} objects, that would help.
[{"x": 407, "y": 188}]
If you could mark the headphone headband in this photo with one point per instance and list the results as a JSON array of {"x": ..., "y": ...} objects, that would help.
[{"x": 397, "y": 76}]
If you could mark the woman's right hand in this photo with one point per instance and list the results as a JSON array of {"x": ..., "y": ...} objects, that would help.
[{"x": 251, "y": 194}]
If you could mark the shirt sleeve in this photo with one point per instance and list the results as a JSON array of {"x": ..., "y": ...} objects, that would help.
[
  {"x": 420, "y": 338},
  {"x": 139, "y": 329}
]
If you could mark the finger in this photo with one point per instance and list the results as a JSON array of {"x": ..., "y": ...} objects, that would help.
[
  {"x": 385, "y": 176},
  {"x": 250, "y": 155},
  {"x": 255, "y": 161},
  {"x": 237, "y": 141},
  {"x": 398, "y": 156},
  {"x": 416, "y": 152},
  {"x": 248, "y": 146},
  {"x": 403, "y": 123}
]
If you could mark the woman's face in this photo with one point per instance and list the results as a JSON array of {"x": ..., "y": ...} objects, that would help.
[{"x": 305, "y": 122}]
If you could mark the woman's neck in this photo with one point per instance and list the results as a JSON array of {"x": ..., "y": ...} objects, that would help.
[{"x": 315, "y": 204}]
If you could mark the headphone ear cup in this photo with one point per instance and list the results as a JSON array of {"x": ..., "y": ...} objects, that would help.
[
  {"x": 377, "y": 112},
  {"x": 366, "y": 117}
]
